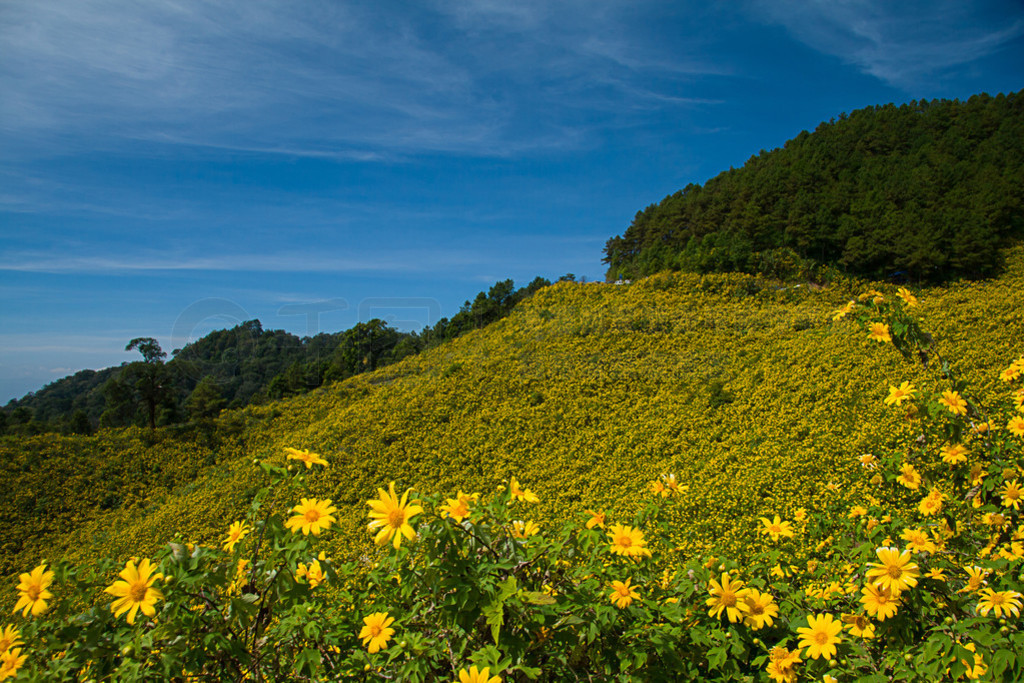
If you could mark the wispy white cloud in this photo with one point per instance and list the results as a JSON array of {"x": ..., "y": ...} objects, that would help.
[
  {"x": 320, "y": 78},
  {"x": 902, "y": 43},
  {"x": 391, "y": 262}
]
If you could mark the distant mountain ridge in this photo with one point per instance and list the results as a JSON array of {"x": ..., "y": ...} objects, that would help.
[
  {"x": 927, "y": 191},
  {"x": 239, "y": 366}
]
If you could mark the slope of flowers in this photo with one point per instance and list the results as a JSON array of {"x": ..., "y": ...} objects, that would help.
[
  {"x": 919, "y": 580},
  {"x": 743, "y": 389}
]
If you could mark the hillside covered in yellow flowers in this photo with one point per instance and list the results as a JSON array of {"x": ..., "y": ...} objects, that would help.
[{"x": 740, "y": 386}]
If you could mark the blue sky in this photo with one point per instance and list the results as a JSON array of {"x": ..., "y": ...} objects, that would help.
[{"x": 169, "y": 167}]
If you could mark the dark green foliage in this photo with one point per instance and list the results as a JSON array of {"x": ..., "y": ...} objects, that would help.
[
  {"x": 234, "y": 368},
  {"x": 205, "y": 401},
  {"x": 927, "y": 191},
  {"x": 718, "y": 395}
]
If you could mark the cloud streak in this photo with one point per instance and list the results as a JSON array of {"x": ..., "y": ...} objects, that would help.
[
  {"x": 394, "y": 262},
  {"x": 321, "y": 79},
  {"x": 904, "y": 44}
]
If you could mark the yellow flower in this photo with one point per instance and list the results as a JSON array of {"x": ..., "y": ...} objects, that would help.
[
  {"x": 977, "y": 475},
  {"x": 979, "y": 668},
  {"x": 936, "y": 574},
  {"x": 907, "y": 297},
  {"x": 241, "y": 580},
  {"x": 1003, "y": 603},
  {"x": 311, "y": 516},
  {"x": 868, "y": 461},
  {"x": 954, "y": 402},
  {"x": 776, "y": 528},
  {"x": 32, "y": 591},
  {"x": 474, "y": 675},
  {"x": 975, "y": 579},
  {"x": 623, "y": 594},
  {"x": 376, "y": 631},
  {"x": 596, "y": 519},
  {"x": 392, "y": 516},
  {"x": 1011, "y": 494},
  {"x": 670, "y": 485},
  {"x": 1016, "y": 426},
  {"x": 1013, "y": 552},
  {"x": 761, "y": 609},
  {"x": 1013, "y": 372},
  {"x": 728, "y": 596},
  {"x": 627, "y": 541},
  {"x": 857, "y": 511},
  {"x": 10, "y": 662},
  {"x": 898, "y": 395},
  {"x": 522, "y": 494},
  {"x": 523, "y": 530},
  {"x": 314, "y": 573},
  {"x": 918, "y": 541},
  {"x": 829, "y": 679},
  {"x": 873, "y": 294},
  {"x": 909, "y": 476},
  {"x": 931, "y": 504},
  {"x": 820, "y": 636},
  {"x": 879, "y": 602},
  {"x": 879, "y": 332},
  {"x": 135, "y": 590},
  {"x": 800, "y": 515},
  {"x": 780, "y": 664},
  {"x": 895, "y": 572},
  {"x": 954, "y": 454},
  {"x": 458, "y": 507},
  {"x": 10, "y": 637},
  {"x": 841, "y": 313},
  {"x": 859, "y": 625},
  {"x": 993, "y": 519},
  {"x": 236, "y": 532},
  {"x": 305, "y": 456}
]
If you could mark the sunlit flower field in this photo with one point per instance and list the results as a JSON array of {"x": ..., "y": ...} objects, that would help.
[{"x": 718, "y": 476}]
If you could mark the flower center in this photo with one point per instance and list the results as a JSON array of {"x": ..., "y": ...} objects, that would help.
[
  {"x": 137, "y": 591},
  {"x": 33, "y": 592},
  {"x": 375, "y": 630},
  {"x": 756, "y": 609},
  {"x": 821, "y": 638},
  {"x": 396, "y": 517},
  {"x": 729, "y": 599},
  {"x": 624, "y": 541},
  {"x": 895, "y": 572},
  {"x": 312, "y": 515},
  {"x": 997, "y": 599}
]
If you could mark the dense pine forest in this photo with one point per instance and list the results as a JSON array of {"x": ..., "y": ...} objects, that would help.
[{"x": 929, "y": 191}]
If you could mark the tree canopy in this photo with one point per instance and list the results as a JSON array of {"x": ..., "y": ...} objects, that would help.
[{"x": 926, "y": 191}]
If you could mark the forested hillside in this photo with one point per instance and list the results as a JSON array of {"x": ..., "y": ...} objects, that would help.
[
  {"x": 926, "y": 191},
  {"x": 236, "y": 367}
]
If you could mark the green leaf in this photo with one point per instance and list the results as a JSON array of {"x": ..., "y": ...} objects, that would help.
[
  {"x": 495, "y": 614},
  {"x": 537, "y": 598}
]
